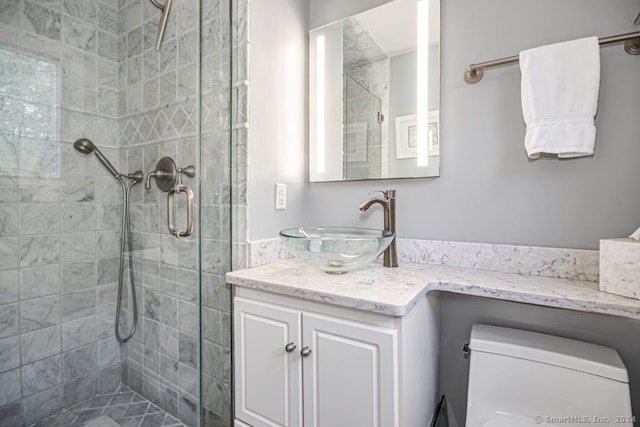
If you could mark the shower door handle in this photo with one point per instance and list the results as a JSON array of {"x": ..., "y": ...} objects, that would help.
[{"x": 173, "y": 193}]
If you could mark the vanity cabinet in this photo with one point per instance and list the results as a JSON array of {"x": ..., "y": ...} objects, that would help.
[
  {"x": 300, "y": 363},
  {"x": 268, "y": 374}
]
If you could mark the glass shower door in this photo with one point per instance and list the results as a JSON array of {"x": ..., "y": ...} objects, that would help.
[
  {"x": 59, "y": 210},
  {"x": 215, "y": 207},
  {"x": 86, "y": 69},
  {"x": 362, "y": 138}
]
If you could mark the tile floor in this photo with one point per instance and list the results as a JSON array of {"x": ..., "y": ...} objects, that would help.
[{"x": 124, "y": 406}]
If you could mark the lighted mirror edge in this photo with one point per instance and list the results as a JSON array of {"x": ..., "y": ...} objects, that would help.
[
  {"x": 422, "y": 73},
  {"x": 320, "y": 104}
]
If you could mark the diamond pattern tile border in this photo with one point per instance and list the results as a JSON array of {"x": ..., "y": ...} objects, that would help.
[{"x": 123, "y": 405}]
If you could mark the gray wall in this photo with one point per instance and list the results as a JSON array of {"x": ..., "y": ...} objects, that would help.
[
  {"x": 459, "y": 312},
  {"x": 488, "y": 190},
  {"x": 277, "y": 114}
]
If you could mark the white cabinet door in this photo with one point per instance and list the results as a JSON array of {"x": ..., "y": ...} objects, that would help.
[
  {"x": 350, "y": 376},
  {"x": 267, "y": 378}
]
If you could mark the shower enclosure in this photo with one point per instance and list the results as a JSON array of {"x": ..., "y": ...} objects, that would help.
[
  {"x": 88, "y": 71},
  {"x": 362, "y": 139}
]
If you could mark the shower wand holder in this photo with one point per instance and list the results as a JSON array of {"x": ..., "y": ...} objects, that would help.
[{"x": 169, "y": 179}]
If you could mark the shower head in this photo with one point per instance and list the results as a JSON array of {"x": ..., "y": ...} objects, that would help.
[{"x": 85, "y": 146}]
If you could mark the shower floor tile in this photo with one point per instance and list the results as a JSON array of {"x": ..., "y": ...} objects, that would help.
[{"x": 123, "y": 405}]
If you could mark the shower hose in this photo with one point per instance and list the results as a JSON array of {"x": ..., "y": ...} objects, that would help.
[{"x": 125, "y": 244}]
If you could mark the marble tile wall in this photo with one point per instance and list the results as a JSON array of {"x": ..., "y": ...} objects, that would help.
[
  {"x": 159, "y": 117},
  {"x": 359, "y": 46},
  {"x": 59, "y": 234},
  {"x": 59, "y": 238},
  {"x": 217, "y": 193},
  {"x": 167, "y": 113}
]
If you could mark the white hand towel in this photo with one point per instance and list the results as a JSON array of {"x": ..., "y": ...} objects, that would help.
[{"x": 559, "y": 88}]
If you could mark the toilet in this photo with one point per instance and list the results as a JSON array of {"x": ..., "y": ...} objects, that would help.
[{"x": 519, "y": 378}]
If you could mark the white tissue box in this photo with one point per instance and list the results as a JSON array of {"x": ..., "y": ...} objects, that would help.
[{"x": 620, "y": 267}]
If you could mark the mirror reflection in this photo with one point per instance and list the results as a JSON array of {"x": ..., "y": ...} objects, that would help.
[{"x": 374, "y": 94}]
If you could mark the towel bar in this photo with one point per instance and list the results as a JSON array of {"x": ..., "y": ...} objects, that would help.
[{"x": 474, "y": 72}]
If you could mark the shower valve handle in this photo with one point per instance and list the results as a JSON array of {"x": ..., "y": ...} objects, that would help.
[{"x": 166, "y": 175}]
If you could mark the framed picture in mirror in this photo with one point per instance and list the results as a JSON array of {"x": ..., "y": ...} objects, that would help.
[
  {"x": 433, "y": 132},
  {"x": 406, "y": 137}
]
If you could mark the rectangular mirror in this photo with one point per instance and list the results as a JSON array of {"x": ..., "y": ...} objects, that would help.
[{"x": 374, "y": 94}]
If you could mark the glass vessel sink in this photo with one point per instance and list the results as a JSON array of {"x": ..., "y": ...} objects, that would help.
[{"x": 336, "y": 250}]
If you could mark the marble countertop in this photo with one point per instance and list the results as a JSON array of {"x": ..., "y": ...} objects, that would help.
[{"x": 395, "y": 291}]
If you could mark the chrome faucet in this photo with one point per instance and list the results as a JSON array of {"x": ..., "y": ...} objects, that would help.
[{"x": 388, "y": 203}]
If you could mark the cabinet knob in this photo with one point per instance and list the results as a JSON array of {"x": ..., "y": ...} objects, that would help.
[
  {"x": 306, "y": 351},
  {"x": 289, "y": 347}
]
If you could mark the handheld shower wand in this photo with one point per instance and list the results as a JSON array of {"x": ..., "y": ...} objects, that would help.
[{"x": 85, "y": 146}]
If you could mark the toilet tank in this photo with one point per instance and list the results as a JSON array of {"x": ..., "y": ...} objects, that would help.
[{"x": 521, "y": 378}]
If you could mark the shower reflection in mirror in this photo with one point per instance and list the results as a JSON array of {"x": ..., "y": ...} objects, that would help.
[{"x": 365, "y": 72}]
